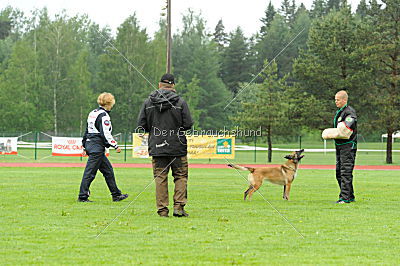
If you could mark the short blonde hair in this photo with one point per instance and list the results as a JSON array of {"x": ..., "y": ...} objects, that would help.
[{"x": 106, "y": 99}]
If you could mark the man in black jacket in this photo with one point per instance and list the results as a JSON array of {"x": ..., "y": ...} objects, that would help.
[
  {"x": 97, "y": 137},
  {"x": 166, "y": 117},
  {"x": 346, "y": 148}
]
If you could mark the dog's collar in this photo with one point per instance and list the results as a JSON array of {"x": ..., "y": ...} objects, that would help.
[{"x": 291, "y": 168}]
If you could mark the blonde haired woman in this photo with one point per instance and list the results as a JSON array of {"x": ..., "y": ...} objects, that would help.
[{"x": 97, "y": 137}]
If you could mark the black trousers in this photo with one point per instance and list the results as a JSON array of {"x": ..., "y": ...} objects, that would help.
[
  {"x": 98, "y": 161},
  {"x": 345, "y": 159}
]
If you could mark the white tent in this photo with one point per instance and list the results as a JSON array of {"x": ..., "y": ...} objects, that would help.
[{"x": 395, "y": 135}]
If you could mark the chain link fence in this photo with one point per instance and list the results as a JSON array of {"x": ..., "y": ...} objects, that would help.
[{"x": 37, "y": 147}]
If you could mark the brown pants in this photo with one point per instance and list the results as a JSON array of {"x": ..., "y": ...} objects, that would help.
[{"x": 179, "y": 166}]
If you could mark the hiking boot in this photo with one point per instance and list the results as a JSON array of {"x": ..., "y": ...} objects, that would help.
[
  {"x": 84, "y": 200},
  {"x": 180, "y": 213},
  {"x": 163, "y": 214},
  {"x": 120, "y": 197}
]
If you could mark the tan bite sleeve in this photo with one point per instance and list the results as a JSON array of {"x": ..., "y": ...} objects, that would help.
[{"x": 341, "y": 132}]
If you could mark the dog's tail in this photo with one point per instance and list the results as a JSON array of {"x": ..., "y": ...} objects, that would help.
[{"x": 243, "y": 168}]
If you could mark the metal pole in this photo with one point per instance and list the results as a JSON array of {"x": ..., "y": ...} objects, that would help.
[
  {"x": 255, "y": 148},
  {"x": 168, "y": 36},
  {"x": 36, "y": 140},
  {"x": 300, "y": 141},
  {"x": 126, "y": 134}
]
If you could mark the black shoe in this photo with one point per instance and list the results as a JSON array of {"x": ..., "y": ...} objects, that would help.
[
  {"x": 342, "y": 201},
  {"x": 84, "y": 200},
  {"x": 180, "y": 213},
  {"x": 120, "y": 197}
]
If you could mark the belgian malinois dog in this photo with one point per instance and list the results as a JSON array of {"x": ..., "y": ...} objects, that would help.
[{"x": 281, "y": 175}]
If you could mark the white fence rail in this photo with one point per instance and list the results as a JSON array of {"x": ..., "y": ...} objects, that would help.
[{"x": 47, "y": 145}]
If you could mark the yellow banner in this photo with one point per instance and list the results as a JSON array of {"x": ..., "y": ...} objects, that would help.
[{"x": 199, "y": 147}]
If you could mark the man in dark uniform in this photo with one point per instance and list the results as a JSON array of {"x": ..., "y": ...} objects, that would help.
[
  {"x": 165, "y": 116},
  {"x": 98, "y": 137},
  {"x": 345, "y": 148}
]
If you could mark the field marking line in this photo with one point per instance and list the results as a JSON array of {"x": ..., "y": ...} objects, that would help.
[
  {"x": 126, "y": 207},
  {"x": 252, "y": 80},
  {"x": 287, "y": 221}
]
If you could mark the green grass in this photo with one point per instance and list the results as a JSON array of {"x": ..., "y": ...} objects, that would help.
[
  {"x": 41, "y": 222},
  {"x": 243, "y": 157}
]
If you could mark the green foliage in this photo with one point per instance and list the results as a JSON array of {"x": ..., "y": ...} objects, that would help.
[
  {"x": 21, "y": 80},
  {"x": 195, "y": 56},
  {"x": 124, "y": 70},
  {"x": 382, "y": 53},
  {"x": 192, "y": 92},
  {"x": 52, "y": 68},
  {"x": 219, "y": 36},
  {"x": 266, "y": 106},
  {"x": 362, "y": 9},
  {"x": 333, "y": 62},
  {"x": 235, "y": 64},
  {"x": 267, "y": 19}
]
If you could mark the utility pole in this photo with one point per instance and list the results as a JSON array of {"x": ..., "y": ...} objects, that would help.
[{"x": 168, "y": 36}]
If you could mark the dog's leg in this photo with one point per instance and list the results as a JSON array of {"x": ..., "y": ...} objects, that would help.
[
  {"x": 287, "y": 191},
  {"x": 247, "y": 192},
  {"x": 284, "y": 191},
  {"x": 254, "y": 188}
]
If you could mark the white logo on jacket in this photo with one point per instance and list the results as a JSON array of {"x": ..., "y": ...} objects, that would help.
[{"x": 162, "y": 144}]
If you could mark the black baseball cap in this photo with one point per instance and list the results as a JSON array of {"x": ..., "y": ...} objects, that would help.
[{"x": 168, "y": 78}]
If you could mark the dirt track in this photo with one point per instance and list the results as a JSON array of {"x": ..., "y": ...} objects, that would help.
[{"x": 214, "y": 166}]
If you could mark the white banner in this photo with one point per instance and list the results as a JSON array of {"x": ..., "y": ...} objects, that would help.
[
  {"x": 8, "y": 146},
  {"x": 62, "y": 146}
]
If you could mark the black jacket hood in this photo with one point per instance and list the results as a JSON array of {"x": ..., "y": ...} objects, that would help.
[{"x": 163, "y": 99}]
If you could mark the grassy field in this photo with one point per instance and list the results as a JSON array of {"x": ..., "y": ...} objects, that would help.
[
  {"x": 243, "y": 157},
  {"x": 41, "y": 222}
]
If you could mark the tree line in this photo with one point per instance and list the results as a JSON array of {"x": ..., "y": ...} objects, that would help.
[{"x": 283, "y": 78}]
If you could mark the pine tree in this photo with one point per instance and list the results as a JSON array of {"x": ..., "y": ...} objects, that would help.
[
  {"x": 318, "y": 9},
  {"x": 383, "y": 53},
  {"x": 333, "y": 62},
  {"x": 288, "y": 10},
  {"x": 332, "y": 5},
  {"x": 219, "y": 36},
  {"x": 235, "y": 67},
  {"x": 195, "y": 56},
  {"x": 374, "y": 8},
  {"x": 362, "y": 9},
  {"x": 269, "y": 46},
  {"x": 267, "y": 19}
]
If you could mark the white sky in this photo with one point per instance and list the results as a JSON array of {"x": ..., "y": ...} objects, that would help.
[{"x": 245, "y": 14}]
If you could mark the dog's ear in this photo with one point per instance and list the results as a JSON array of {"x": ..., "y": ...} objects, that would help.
[
  {"x": 301, "y": 157},
  {"x": 300, "y": 151},
  {"x": 289, "y": 157}
]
